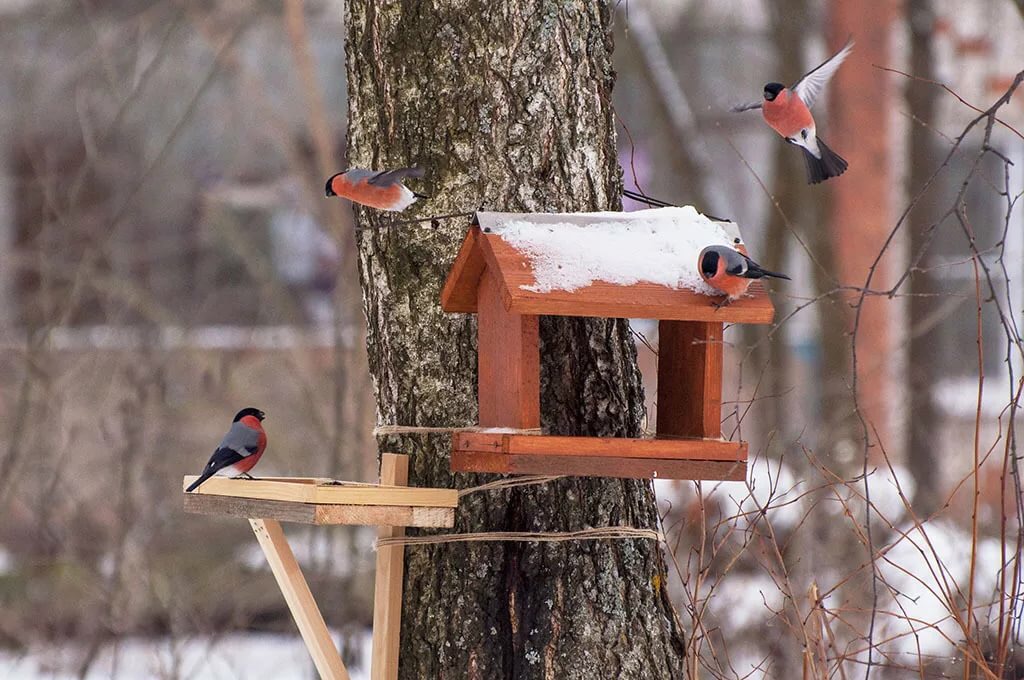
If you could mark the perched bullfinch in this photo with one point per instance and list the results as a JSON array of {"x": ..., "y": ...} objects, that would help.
[
  {"x": 382, "y": 190},
  {"x": 239, "y": 450},
  {"x": 787, "y": 111},
  {"x": 730, "y": 272}
]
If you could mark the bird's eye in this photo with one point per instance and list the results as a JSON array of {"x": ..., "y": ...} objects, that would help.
[{"x": 803, "y": 133}]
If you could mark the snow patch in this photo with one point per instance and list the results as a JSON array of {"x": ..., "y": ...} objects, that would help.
[
  {"x": 334, "y": 557},
  {"x": 920, "y": 565},
  {"x": 658, "y": 246},
  {"x": 254, "y": 656},
  {"x": 885, "y": 486}
]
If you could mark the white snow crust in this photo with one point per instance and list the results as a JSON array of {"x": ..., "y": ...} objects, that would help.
[{"x": 658, "y": 246}]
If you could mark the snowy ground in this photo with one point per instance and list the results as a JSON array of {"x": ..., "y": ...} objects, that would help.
[{"x": 229, "y": 657}]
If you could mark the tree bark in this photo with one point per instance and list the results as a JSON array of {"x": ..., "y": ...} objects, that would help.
[{"x": 507, "y": 106}]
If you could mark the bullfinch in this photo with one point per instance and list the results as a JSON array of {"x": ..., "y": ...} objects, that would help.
[
  {"x": 730, "y": 272},
  {"x": 382, "y": 190},
  {"x": 787, "y": 111},
  {"x": 239, "y": 450}
]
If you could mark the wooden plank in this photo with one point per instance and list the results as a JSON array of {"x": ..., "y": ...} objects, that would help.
[
  {"x": 602, "y": 299},
  {"x": 508, "y": 361},
  {"x": 598, "y": 466},
  {"x": 308, "y": 513},
  {"x": 300, "y": 601},
  {"x": 460, "y": 288},
  {"x": 245, "y": 508},
  {"x": 643, "y": 301},
  {"x": 676, "y": 449},
  {"x": 302, "y": 491},
  {"x": 690, "y": 379},
  {"x": 387, "y": 587},
  {"x": 385, "y": 515}
]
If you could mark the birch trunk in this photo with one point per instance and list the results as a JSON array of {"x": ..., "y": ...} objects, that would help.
[{"x": 507, "y": 106}]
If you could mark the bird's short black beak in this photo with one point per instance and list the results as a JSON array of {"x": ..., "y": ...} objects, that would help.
[
  {"x": 261, "y": 415},
  {"x": 327, "y": 189}
]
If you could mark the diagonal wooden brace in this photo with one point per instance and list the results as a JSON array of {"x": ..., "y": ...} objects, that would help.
[
  {"x": 387, "y": 602},
  {"x": 300, "y": 601}
]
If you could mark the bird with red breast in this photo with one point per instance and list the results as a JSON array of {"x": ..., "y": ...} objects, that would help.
[
  {"x": 239, "y": 450},
  {"x": 383, "y": 190},
  {"x": 730, "y": 272},
  {"x": 787, "y": 111}
]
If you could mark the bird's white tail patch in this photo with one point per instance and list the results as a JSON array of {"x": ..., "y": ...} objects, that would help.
[
  {"x": 407, "y": 199},
  {"x": 810, "y": 142}
]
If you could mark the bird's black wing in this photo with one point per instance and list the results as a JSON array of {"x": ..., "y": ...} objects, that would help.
[
  {"x": 222, "y": 458},
  {"x": 389, "y": 177},
  {"x": 756, "y": 271}
]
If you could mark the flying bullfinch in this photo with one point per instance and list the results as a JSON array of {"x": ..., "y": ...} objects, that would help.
[
  {"x": 382, "y": 190},
  {"x": 239, "y": 450},
  {"x": 787, "y": 111},
  {"x": 730, "y": 272}
]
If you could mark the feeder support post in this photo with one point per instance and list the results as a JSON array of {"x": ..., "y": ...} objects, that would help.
[
  {"x": 690, "y": 379},
  {"x": 508, "y": 360}
]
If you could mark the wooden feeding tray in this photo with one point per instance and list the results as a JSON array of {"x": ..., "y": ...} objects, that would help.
[
  {"x": 493, "y": 279},
  {"x": 599, "y": 456},
  {"x": 312, "y": 500},
  {"x": 391, "y": 505}
]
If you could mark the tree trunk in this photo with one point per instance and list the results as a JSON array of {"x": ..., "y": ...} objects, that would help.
[
  {"x": 507, "y": 106},
  {"x": 924, "y": 366},
  {"x": 858, "y": 127}
]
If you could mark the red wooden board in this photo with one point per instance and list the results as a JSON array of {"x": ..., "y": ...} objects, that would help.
[
  {"x": 599, "y": 456},
  {"x": 598, "y": 466},
  {"x": 623, "y": 447},
  {"x": 689, "y": 379},
  {"x": 508, "y": 362}
]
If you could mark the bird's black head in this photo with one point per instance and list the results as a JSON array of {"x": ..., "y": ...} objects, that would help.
[
  {"x": 327, "y": 189},
  {"x": 250, "y": 411},
  {"x": 772, "y": 90},
  {"x": 708, "y": 262}
]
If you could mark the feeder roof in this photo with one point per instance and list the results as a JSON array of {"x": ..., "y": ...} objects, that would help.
[{"x": 639, "y": 264}]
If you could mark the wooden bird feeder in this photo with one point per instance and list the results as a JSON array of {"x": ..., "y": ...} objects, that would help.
[
  {"x": 391, "y": 505},
  {"x": 493, "y": 279}
]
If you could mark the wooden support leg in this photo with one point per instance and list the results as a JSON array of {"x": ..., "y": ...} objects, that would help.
[
  {"x": 387, "y": 595},
  {"x": 690, "y": 379},
  {"x": 300, "y": 601},
  {"x": 508, "y": 361}
]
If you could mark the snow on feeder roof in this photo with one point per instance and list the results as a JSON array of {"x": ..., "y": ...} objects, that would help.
[{"x": 640, "y": 264}]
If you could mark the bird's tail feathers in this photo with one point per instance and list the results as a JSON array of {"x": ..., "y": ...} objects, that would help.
[
  {"x": 419, "y": 195},
  {"x": 756, "y": 271},
  {"x": 829, "y": 165},
  {"x": 202, "y": 478}
]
